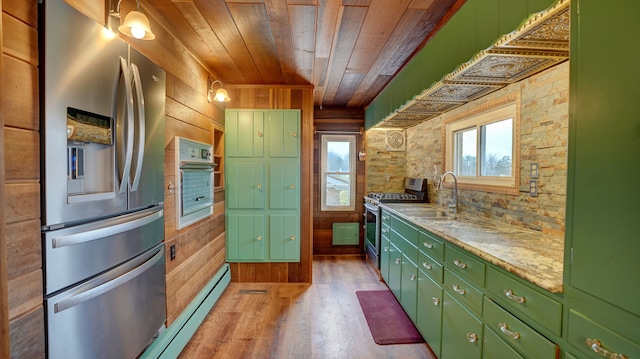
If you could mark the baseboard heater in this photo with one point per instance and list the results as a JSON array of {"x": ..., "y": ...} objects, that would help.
[{"x": 171, "y": 341}]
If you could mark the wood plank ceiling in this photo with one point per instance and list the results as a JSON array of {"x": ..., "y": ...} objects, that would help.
[{"x": 347, "y": 49}]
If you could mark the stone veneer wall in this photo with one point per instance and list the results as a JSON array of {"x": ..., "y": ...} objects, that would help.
[
  {"x": 381, "y": 163},
  {"x": 544, "y": 115}
]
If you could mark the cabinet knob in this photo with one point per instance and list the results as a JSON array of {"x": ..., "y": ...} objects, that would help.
[
  {"x": 294, "y": 134},
  {"x": 427, "y": 265},
  {"x": 292, "y": 186},
  {"x": 386, "y": 249},
  {"x": 259, "y": 186},
  {"x": 436, "y": 301},
  {"x": 596, "y": 346},
  {"x": 293, "y": 238},
  {"x": 259, "y": 134},
  {"x": 385, "y": 217},
  {"x": 259, "y": 238},
  {"x": 472, "y": 337},
  {"x": 460, "y": 263},
  {"x": 510, "y": 333},
  {"x": 458, "y": 290},
  {"x": 427, "y": 245},
  {"x": 397, "y": 260},
  {"x": 412, "y": 277},
  {"x": 516, "y": 298},
  {"x": 384, "y": 230}
]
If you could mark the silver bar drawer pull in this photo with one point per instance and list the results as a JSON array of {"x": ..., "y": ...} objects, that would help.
[
  {"x": 458, "y": 290},
  {"x": 199, "y": 198},
  {"x": 597, "y": 347},
  {"x": 516, "y": 298}
]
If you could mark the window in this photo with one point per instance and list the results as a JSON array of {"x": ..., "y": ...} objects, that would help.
[
  {"x": 481, "y": 149},
  {"x": 337, "y": 173}
]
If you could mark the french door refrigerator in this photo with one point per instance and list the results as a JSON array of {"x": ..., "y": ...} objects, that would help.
[{"x": 102, "y": 123}]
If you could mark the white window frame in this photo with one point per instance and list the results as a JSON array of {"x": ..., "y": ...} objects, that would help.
[
  {"x": 491, "y": 113},
  {"x": 352, "y": 172}
]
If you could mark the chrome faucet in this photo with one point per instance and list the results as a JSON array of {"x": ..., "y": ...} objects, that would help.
[{"x": 453, "y": 205}]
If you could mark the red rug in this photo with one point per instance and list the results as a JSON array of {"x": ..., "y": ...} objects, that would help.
[{"x": 387, "y": 321}]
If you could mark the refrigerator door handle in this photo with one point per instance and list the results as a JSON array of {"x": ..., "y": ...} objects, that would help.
[
  {"x": 109, "y": 230},
  {"x": 126, "y": 167},
  {"x": 97, "y": 291},
  {"x": 137, "y": 82}
]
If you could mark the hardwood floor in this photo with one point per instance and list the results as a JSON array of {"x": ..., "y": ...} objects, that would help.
[{"x": 283, "y": 321}]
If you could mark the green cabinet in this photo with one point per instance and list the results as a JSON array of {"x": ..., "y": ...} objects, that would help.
[
  {"x": 603, "y": 198},
  {"x": 409, "y": 287},
  {"x": 262, "y": 179},
  {"x": 395, "y": 270},
  {"x": 249, "y": 233},
  {"x": 496, "y": 348},
  {"x": 429, "y": 311},
  {"x": 245, "y": 185},
  {"x": 461, "y": 331},
  {"x": 384, "y": 257}
]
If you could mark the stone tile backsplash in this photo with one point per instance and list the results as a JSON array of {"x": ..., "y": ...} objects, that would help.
[{"x": 544, "y": 115}]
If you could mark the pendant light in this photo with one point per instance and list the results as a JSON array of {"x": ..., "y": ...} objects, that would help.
[{"x": 136, "y": 25}]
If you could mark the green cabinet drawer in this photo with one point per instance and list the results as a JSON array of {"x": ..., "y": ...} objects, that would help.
[
  {"x": 386, "y": 218},
  {"x": 463, "y": 291},
  {"x": 409, "y": 287},
  {"x": 592, "y": 338},
  {"x": 465, "y": 265},
  {"x": 461, "y": 331},
  {"x": 496, "y": 348},
  {"x": 405, "y": 229},
  {"x": 521, "y": 298},
  {"x": 430, "y": 267},
  {"x": 395, "y": 270},
  {"x": 519, "y": 335},
  {"x": 431, "y": 245},
  {"x": 405, "y": 247},
  {"x": 429, "y": 311}
]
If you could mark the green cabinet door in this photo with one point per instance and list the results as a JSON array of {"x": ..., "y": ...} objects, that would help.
[
  {"x": 385, "y": 258},
  {"x": 496, "y": 348},
  {"x": 245, "y": 237},
  {"x": 244, "y": 133},
  {"x": 409, "y": 287},
  {"x": 245, "y": 185},
  {"x": 284, "y": 133},
  {"x": 395, "y": 269},
  {"x": 284, "y": 185},
  {"x": 284, "y": 238},
  {"x": 429, "y": 311},
  {"x": 603, "y": 166},
  {"x": 461, "y": 331}
]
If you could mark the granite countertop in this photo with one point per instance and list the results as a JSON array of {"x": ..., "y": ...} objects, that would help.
[{"x": 534, "y": 256}]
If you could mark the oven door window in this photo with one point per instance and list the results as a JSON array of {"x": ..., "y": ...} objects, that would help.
[{"x": 370, "y": 226}]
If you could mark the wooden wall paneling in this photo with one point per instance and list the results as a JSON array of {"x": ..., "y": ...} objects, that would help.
[
  {"x": 20, "y": 91},
  {"x": 95, "y": 10},
  {"x": 25, "y": 294},
  {"x": 22, "y": 154},
  {"x": 23, "y": 251},
  {"x": 27, "y": 336},
  {"x": 4, "y": 282},
  {"x": 19, "y": 39},
  {"x": 22, "y": 201}
]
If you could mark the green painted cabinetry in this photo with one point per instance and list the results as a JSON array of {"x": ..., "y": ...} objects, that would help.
[
  {"x": 262, "y": 169},
  {"x": 462, "y": 305},
  {"x": 603, "y": 198}
]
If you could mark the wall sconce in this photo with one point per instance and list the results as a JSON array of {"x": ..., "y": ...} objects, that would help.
[
  {"x": 221, "y": 94},
  {"x": 135, "y": 24}
]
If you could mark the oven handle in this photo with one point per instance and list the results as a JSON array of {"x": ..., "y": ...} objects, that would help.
[{"x": 371, "y": 208}]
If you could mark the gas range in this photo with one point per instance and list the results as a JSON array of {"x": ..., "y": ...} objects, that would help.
[{"x": 415, "y": 191}]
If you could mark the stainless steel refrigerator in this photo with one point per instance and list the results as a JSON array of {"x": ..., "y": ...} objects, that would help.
[{"x": 102, "y": 112}]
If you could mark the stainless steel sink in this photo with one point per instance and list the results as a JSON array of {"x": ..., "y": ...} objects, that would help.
[{"x": 430, "y": 214}]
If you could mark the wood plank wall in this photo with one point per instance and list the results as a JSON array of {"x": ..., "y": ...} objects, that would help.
[
  {"x": 348, "y": 120},
  {"x": 22, "y": 179},
  {"x": 282, "y": 97},
  {"x": 200, "y": 247},
  {"x": 4, "y": 291}
]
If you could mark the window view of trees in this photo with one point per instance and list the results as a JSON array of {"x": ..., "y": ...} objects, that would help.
[{"x": 338, "y": 172}]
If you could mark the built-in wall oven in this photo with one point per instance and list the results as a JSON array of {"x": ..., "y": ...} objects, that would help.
[{"x": 415, "y": 190}]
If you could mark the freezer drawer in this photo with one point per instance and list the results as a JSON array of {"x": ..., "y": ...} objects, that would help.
[
  {"x": 77, "y": 253},
  {"x": 114, "y": 315}
]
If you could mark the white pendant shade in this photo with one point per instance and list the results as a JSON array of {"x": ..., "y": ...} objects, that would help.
[{"x": 137, "y": 26}]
